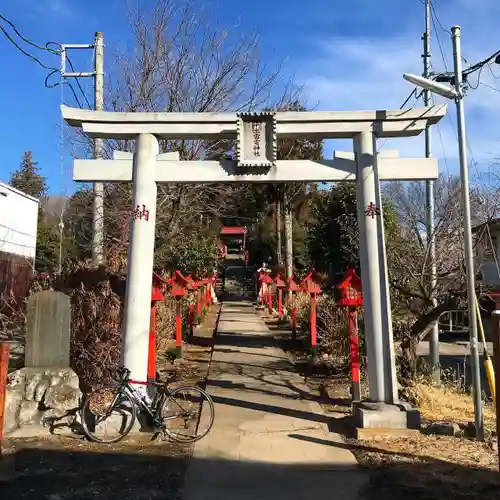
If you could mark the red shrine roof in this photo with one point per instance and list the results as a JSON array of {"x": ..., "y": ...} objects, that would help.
[{"x": 233, "y": 230}]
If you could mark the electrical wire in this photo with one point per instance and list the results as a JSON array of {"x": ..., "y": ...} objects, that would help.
[
  {"x": 434, "y": 20},
  {"x": 417, "y": 97},
  {"x": 26, "y": 40},
  {"x": 48, "y": 48},
  {"x": 434, "y": 13},
  {"x": 18, "y": 47},
  {"x": 78, "y": 83},
  {"x": 489, "y": 86}
]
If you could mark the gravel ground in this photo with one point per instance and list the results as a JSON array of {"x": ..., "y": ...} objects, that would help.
[{"x": 68, "y": 468}]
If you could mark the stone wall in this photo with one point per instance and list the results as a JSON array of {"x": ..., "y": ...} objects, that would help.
[{"x": 39, "y": 401}]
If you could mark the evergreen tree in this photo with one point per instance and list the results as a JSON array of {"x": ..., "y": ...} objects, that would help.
[{"x": 29, "y": 180}]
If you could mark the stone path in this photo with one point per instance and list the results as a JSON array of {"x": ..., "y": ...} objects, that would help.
[{"x": 270, "y": 438}]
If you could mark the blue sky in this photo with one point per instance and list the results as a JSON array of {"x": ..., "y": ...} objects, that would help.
[{"x": 348, "y": 54}]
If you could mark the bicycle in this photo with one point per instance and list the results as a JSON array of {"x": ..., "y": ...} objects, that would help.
[{"x": 124, "y": 398}]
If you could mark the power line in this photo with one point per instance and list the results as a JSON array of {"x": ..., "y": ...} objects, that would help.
[
  {"x": 435, "y": 19},
  {"x": 48, "y": 49},
  {"x": 489, "y": 86},
  {"x": 417, "y": 97},
  {"x": 434, "y": 13},
  {"x": 26, "y": 40},
  {"x": 18, "y": 47}
]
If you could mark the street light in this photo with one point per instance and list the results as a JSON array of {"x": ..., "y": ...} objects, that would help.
[
  {"x": 457, "y": 95},
  {"x": 432, "y": 85}
]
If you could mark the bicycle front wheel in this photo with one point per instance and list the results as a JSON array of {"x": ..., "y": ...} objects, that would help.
[
  {"x": 187, "y": 414},
  {"x": 108, "y": 415}
]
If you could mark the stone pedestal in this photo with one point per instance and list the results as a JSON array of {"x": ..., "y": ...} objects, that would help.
[
  {"x": 372, "y": 419},
  {"x": 39, "y": 400}
]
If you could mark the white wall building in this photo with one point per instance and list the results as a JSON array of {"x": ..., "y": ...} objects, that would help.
[{"x": 18, "y": 222}]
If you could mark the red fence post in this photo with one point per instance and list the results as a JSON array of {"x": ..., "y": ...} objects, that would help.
[
  {"x": 178, "y": 323},
  {"x": 157, "y": 295},
  {"x": 198, "y": 303},
  {"x": 4, "y": 370},
  {"x": 191, "y": 318},
  {"x": 352, "y": 327},
  {"x": 313, "y": 289},
  {"x": 269, "y": 298},
  {"x": 293, "y": 289},
  {"x": 351, "y": 297},
  {"x": 262, "y": 292},
  {"x": 280, "y": 285},
  {"x": 312, "y": 321},
  {"x": 179, "y": 287},
  {"x": 152, "y": 345}
]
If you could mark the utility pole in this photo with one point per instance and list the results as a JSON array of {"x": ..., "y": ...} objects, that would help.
[
  {"x": 98, "y": 202},
  {"x": 98, "y": 75},
  {"x": 429, "y": 207},
  {"x": 469, "y": 255}
]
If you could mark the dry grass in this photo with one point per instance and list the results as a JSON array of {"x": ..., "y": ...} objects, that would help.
[
  {"x": 447, "y": 403},
  {"x": 430, "y": 468}
]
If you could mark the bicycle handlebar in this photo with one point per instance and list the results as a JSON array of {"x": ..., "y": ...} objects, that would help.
[{"x": 123, "y": 372}]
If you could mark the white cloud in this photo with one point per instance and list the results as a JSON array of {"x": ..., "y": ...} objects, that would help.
[
  {"x": 366, "y": 73},
  {"x": 60, "y": 7}
]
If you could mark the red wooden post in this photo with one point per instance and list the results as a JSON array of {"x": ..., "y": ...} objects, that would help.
[
  {"x": 352, "y": 327},
  {"x": 157, "y": 295},
  {"x": 203, "y": 295},
  {"x": 179, "y": 287},
  {"x": 198, "y": 302},
  {"x": 4, "y": 370},
  {"x": 209, "y": 295},
  {"x": 352, "y": 297},
  {"x": 280, "y": 285},
  {"x": 313, "y": 290},
  {"x": 192, "y": 286},
  {"x": 263, "y": 289},
  {"x": 294, "y": 318},
  {"x": 312, "y": 320},
  {"x": 191, "y": 318},
  {"x": 152, "y": 345},
  {"x": 178, "y": 323},
  {"x": 293, "y": 288},
  {"x": 269, "y": 297}
]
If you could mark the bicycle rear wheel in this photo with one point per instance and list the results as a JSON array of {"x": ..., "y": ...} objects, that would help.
[
  {"x": 108, "y": 415},
  {"x": 182, "y": 414}
]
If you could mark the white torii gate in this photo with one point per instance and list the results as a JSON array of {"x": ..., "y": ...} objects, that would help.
[{"x": 256, "y": 134}]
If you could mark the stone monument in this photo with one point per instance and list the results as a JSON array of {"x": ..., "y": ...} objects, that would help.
[{"x": 45, "y": 394}]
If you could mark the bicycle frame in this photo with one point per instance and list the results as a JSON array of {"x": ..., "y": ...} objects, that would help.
[
  {"x": 158, "y": 399},
  {"x": 156, "y": 403}
]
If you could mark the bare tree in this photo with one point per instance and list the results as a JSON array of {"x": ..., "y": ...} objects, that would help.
[
  {"x": 408, "y": 250},
  {"x": 179, "y": 61}
]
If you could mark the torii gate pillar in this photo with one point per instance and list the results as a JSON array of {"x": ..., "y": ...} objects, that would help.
[
  {"x": 140, "y": 257},
  {"x": 377, "y": 308}
]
